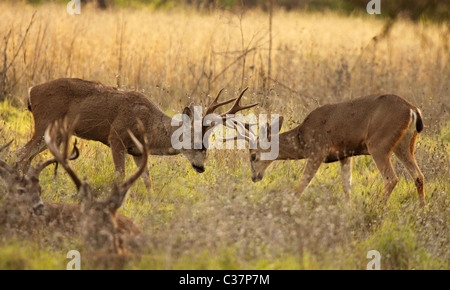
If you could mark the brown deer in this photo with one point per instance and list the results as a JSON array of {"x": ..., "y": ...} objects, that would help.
[
  {"x": 101, "y": 227},
  {"x": 105, "y": 113},
  {"x": 22, "y": 209},
  {"x": 376, "y": 125},
  {"x": 22, "y": 203}
]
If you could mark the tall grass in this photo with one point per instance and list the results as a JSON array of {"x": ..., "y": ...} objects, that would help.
[{"x": 219, "y": 219}]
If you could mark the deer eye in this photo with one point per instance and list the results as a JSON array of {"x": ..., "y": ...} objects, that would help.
[{"x": 253, "y": 157}]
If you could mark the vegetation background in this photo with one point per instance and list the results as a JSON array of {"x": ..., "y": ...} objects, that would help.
[{"x": 294, "y": 56}]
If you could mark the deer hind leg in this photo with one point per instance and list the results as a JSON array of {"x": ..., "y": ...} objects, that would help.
[
  {"x": 146, "y": 177},
  {"x": 405, "y": 153},
  {"x": 346, "y": 174},
  {"x": 384, "y": 165},
  {"x": 311, "y": 168}
]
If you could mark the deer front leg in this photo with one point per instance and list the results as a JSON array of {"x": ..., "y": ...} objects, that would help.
[
  {"x": 346, "y": 174},
  {"x": 311, "y": 168},
  {"x": 146, "y": 177}
]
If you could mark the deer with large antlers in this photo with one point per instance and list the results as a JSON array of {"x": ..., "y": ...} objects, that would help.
[
  {"x": 100, "y": 225},
  {"x": 105, "y": 113},
  {"x": 376, "y": 125},
  {"x": 22, "y": 202},
  {"x": 96, "y": 221}
]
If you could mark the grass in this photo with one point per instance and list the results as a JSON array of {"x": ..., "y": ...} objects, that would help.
[{"x": 220, "y": 219}]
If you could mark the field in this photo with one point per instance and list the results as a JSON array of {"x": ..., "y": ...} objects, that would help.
[{"x": 221, "y": 219}]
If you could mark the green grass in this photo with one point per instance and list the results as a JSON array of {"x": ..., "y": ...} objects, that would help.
[{"x": 221, "y": 220}]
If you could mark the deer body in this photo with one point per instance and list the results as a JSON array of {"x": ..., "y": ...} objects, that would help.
[
  {"x": 97, "y": 222},
  {"x": 376, "y": 125},
  {"x": 105, "y": 113}
]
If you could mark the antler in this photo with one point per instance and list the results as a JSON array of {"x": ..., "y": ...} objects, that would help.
[
  {"x": 237, "y": 107},
  {"x": 6, "y": 145},
  {"x": 119, "y": 192},
  {"x": 3, "y": 165},
  {"x": 233, "y": 110},
  {"x": 214, "y": 105},
  {"x": 239, "y": 125},
  {"x": 41, "y": 166},
  {"x": 63, "y": 131},
  {"x": 144, "y": 150}
]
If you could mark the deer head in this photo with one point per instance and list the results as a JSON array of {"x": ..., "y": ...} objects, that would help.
[
  {"x": 259, "y": 164},
  {"x": 197, "y": 155},
  {"x": 23, "y": 192},
  {"x": 98, "y": 221}
]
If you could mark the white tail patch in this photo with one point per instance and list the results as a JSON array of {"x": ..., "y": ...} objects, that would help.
[{"x": 412, "y": 124}]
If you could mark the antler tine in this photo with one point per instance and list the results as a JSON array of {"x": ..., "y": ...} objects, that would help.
[
  {"x": 50, "y": 137},
  {"x": 6, "y": 145},
  {"x": 144, "y": 150},
  {"x": 237, "y": 107},
  {"x": 66, "y": 132},
  {"x": 239, "y": 135},
  {"x": 215, "y": 104},
  {"x": 3, "y": 165},
  {"x": 41, "y": 166},
  {"x": 75, "y": 151},
  {"x": 6, "y": 167},
  {"x": 246, "y": 126}
]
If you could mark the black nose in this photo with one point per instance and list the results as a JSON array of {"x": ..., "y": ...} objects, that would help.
[
  {"x": 39, "y": 209},
  {"x": 199, "y": 169},
  {"x": 257, "y": 178}
]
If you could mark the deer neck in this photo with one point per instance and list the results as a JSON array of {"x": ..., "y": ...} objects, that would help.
[
  {"x": 290, "y": 147},
  {"x": 160, "y": 137}
]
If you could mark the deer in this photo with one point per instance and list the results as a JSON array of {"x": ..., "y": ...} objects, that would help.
[
  {"x": 23, "y": 209},
  {"x": 101, "y": 227},
  {"x": 376, "y": 125},
  {"x": 22, "y": 206},
  {"x": 105, "y": 114}
]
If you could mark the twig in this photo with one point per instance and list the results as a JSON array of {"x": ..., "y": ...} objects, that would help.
[
  {"x": 269, "y": 68},
  {"x": 22, "y": 42}
]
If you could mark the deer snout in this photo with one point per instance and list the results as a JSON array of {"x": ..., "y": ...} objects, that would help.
[
  {"x": 257, "y": 177},
  {"x": 199, "y": 169},
  {"x": 38, "y": 208}
]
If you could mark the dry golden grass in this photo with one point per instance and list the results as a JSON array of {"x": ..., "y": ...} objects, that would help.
[
  {"x": 220, "y": 219},
  {"x": 173, "y": 55}
]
